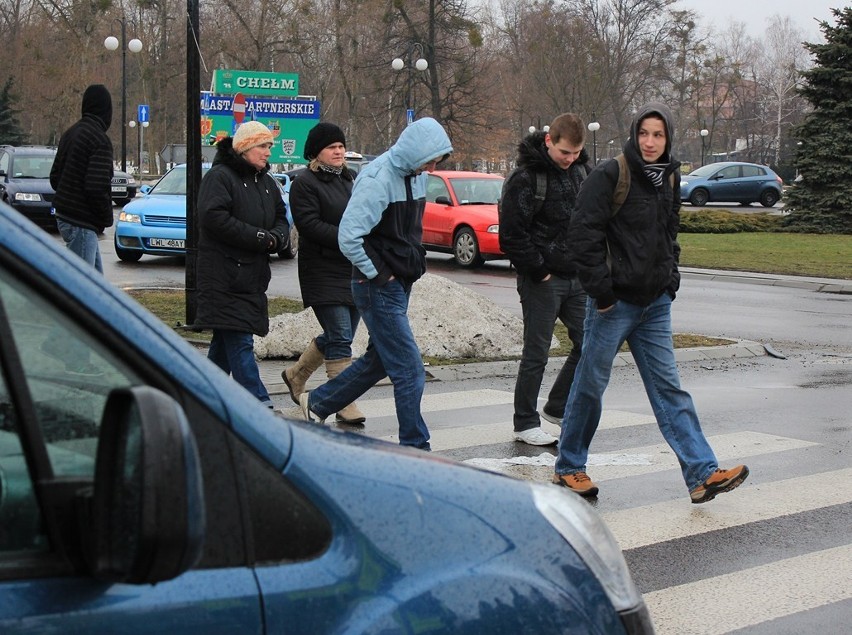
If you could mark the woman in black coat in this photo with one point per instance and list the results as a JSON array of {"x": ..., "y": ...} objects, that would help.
[
  {"x": 241, "y": 221},
  {"x": 318, "y": 198}
]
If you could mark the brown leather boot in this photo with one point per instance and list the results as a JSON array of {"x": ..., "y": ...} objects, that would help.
[
  {"x": 297, "y": 375},
  {"x": 350, "y": 414}
]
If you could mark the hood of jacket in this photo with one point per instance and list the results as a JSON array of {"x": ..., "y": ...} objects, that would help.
[
  {"x": 664, "y": 112},
  {"x": 420, "y": 142},
  {"x": 532, "y": 154},
  {"x": 226, "y": 155},
  {"x": 97, "y": 102}
]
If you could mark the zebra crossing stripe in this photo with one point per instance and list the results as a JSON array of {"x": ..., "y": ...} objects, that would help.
[
  {"x": 751, "y": 502},
  {"x": 642, "y": 460},
  {"x": 735, "y": 601}
]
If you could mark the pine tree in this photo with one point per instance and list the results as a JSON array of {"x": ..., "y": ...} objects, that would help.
[
  {"x": 821, "y": 202},
  {"x": 10, "y": 129}
]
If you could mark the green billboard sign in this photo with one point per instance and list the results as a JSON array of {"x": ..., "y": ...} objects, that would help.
[
  {"x": 288, "y": 119},
  {"x": 257, "y": 83}
]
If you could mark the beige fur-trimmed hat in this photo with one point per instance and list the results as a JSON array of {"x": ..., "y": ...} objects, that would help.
[{"x": 251, "y": 134}]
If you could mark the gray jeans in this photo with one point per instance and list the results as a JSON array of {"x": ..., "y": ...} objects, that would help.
[{"x": 542, "y": 303}]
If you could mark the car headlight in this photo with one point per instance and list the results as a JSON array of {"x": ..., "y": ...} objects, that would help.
[
  {"x": 131, "y": 180},
  {"x": 493, "y": 229},
  {"x": 129, "y": 218},
  {"x": 583, "y": 529},
  {"x": 27, "y": 196}
]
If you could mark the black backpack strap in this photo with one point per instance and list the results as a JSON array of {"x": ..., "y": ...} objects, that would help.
[{"x": 540, "y": 190}]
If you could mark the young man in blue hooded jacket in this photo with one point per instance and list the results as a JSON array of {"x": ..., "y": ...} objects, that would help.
[{"x": 380, "y": 233}]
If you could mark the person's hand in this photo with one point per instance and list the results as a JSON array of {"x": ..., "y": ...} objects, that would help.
[
  {"x": 607, "y": 309},
  {"x": 546, "y": 278}
]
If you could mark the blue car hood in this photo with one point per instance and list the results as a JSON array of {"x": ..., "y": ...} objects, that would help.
[{"x": 159, "y": 204}]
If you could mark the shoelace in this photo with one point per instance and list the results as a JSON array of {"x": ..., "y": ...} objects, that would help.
[{"x": 581, "y": 477}]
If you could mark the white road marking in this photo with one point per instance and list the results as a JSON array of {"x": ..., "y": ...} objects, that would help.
[{"x": 734, "y": 601}]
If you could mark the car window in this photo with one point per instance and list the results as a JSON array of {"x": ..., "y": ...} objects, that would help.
[
  {"x": 67, "y": 375},
  {"x": 4, "y": 162},
  {"x": 33, "y": 166},
  {"x": 730, "y": 172},
  {"x": 753, "y": 170},
  {"x": 436, "y": 187},
  {"x": 173, "y": 182}
]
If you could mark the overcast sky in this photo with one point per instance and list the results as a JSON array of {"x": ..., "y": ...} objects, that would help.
[{"x": 754, "y": 14}]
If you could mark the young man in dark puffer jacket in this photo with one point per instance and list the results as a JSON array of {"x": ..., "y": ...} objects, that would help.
[
  {"x": 534, "y": 235},
  {"x": 628, "y": 264},
  {"x": 82, "y": 177}
]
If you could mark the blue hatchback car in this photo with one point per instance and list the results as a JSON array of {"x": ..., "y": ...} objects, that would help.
[
  {"x": 155, "y": 224},
  {"x": 150, "y": 493},
  {"x": 731, "y": 182}
]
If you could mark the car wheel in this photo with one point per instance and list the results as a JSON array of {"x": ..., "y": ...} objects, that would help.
[
  {"x": 768, "y": 198},
  {"x": 292, "y": 249},
  {"x": 699, "y": 198},
  {"x": 127, "y": 255},
  {"x": 466, "y": 249}
]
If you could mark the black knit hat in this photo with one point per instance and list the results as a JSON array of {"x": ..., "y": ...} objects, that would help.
[{"x": 320, "y": 137}]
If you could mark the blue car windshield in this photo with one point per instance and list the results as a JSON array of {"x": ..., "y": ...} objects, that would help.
[
  {"x": 174, "y": 182},
  {"x": 704, "y": 170}
]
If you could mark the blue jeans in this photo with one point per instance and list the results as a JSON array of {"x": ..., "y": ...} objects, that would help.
[
  {"x": 82, "y": 241},
  {"x": 648, "y": 331},
  {"x": 339, "y": 323},
  {"x": 392, "y": 352},
  {"x": 233, "y": 352},
  {"x": 542, "y": 303}
]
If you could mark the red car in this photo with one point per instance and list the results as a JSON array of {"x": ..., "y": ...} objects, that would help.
[{"x": 461, "y": 216}]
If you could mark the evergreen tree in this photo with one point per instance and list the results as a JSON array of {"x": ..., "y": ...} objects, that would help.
[
  {"x": 821, "y": 202},
  {"x": 10, "y": 129}
]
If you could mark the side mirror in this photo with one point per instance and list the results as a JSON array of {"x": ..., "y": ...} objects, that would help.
[
  {"x": 147, "y": 514},
  {"x": 144, "y": 189},
  {"x": 443, "y": 200}
]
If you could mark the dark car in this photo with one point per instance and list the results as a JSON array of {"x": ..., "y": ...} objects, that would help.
[
  {"x": 123, "y": 187},
  {"x": 154, "y": 494},
  {"x": 25, "y": 182},
  {"x": 731, "y": 182}
]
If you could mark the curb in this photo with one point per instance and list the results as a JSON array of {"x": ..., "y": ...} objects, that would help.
[
  {"x": 270, "y": 370},
  {"x": 823, "y": 285}
]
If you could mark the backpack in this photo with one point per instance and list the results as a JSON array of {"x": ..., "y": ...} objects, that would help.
[
  {"x": 623, "y": 185},
  {"x": 540, "y": 188}
]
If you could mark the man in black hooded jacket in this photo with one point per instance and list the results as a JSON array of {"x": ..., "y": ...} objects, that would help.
[
  {"x": 628, "y": 264},
  {"x": 535, "y": 238},
  {"x": 82, "y": 177}
]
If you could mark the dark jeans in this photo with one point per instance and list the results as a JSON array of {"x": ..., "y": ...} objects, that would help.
[
  {"x": 339, "y": 323},
  {"x": 392, "y": 352},
  {"x": 542, "y": 303},
  {"x": 233, "y": 352}
]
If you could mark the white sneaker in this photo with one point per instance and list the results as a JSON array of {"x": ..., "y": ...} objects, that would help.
[
  {"x": 557, "y": 421},
  {"x": 535, "y": 436}
]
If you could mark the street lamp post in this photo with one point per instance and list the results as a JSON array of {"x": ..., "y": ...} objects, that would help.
[
  {"x": 703, "y": 132},
  {"x": 420, "y": 64},
  {"x": 594, "y": 126},
  {"x": 140, "y": 136},
  {"x": 134, "y": 45}
]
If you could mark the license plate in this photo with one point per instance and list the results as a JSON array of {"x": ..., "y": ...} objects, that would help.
[
  {"x": 119, "y": 189},
  {"x": 168, "y": 243}
]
